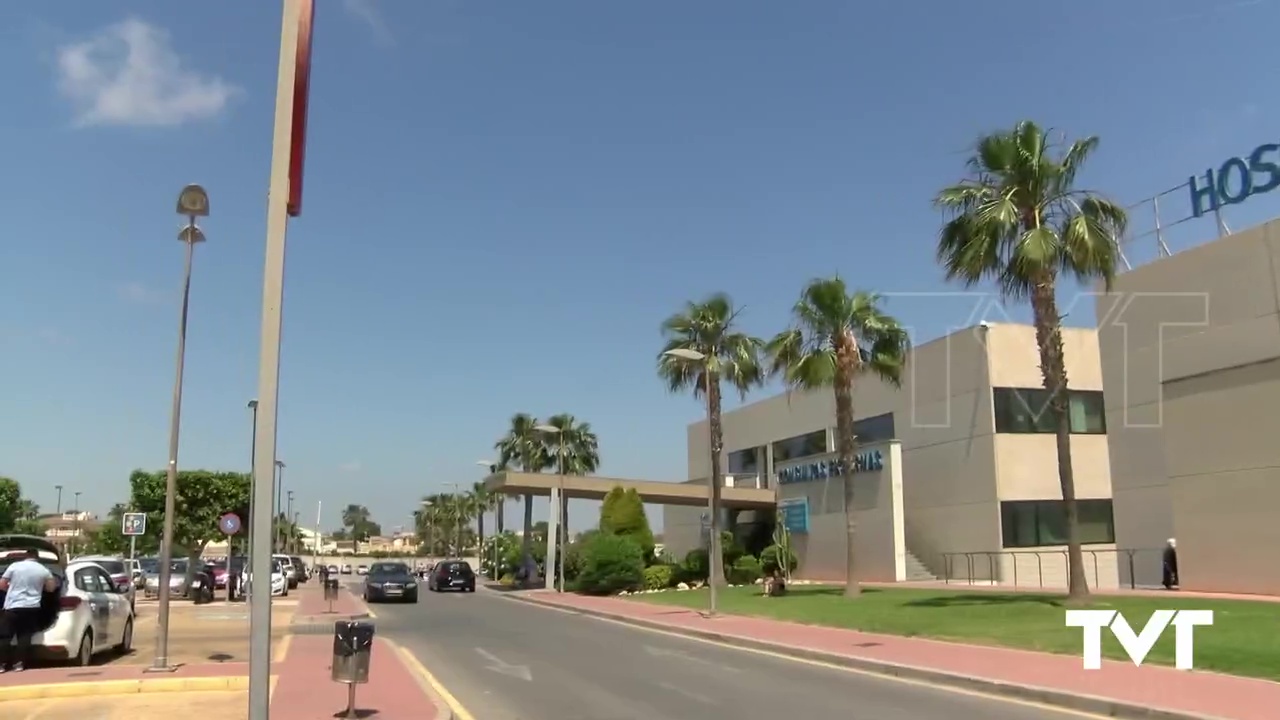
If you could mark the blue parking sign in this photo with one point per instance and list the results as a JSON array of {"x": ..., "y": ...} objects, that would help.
[{"x": 134, "y": 524}]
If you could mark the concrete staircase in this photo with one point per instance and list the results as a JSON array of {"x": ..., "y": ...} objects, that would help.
[{"x": 917, "y": 571}]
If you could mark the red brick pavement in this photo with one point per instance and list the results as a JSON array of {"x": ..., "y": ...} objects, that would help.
[
  {"x": 304, "y": 691},
  {"x": 1189, "y": 693},
  {"x": 313, "y": 607}
]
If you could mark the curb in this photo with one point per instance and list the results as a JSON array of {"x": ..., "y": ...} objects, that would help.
[
  {"x": 52, "y": 691},
  {"x": 426, "y": 681},
  {"x": 1031, "y": 693}
]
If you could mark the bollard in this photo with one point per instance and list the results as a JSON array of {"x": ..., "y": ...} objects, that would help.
[
  {"x": 352, "y": 651},
  {"x": 331, "y": 592}
]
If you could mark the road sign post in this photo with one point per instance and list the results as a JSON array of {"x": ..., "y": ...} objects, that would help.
[{"x": 133, "y": 525}]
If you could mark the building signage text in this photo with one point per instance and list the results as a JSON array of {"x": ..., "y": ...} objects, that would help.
[
  {"x": 869, "y": 461},
  {"x": 1236, "y": 180}
]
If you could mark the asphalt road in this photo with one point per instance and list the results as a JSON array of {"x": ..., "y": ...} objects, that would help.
[{"x": 508, "y": 660}]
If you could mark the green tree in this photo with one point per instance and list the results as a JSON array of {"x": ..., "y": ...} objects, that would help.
[
  {"x": 709, "y": 329},
  {"x": 524, "y": 448},
  {"x": 359, "y": 524},
  {"x": 10, "y": 496},
  {"x": 1019, "y": 221},
  {"x": 203, "y": 496},
  {"x": 622, "y": 514},
  {"x": 837, "y": 336}
]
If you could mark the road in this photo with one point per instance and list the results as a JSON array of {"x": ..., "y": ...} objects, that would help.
[{"x": 508, "y": 660}]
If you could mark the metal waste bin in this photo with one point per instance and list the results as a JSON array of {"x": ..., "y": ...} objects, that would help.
[
  {"x": 352, "y": 649},
  {"x": 331, "y": 589}
]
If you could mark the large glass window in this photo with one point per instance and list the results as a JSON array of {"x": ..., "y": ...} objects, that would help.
[
  {"x": 1041, "y": 523},
  {"x": 874, "y": 429},
  {"x": 814, "y": 443},
  {"x": 1026, "y": 410},
  {"x": 746, "y": 462}
]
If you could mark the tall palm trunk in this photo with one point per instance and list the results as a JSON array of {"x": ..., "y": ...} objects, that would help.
[
  {"x": 846, "y": 447},
  {"x": 480, "y": 535},
  {"x": 715, "y": 553},
  {"x": 526, "y": 542},
  {"x": 1053, "y": 369}
]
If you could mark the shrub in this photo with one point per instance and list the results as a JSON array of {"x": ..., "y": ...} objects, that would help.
[
  {"x": 613, "y": 563},
  {"x": 659, "y": 577},
  {"x": 696, "y": 566},
  {"x": 730, "y": 549},
  {"x": 622, "y": 513},
  {"x": 745, "y": 571},
  {"x": 507, "y": 579},
  {"x": 771, "y": 560}
]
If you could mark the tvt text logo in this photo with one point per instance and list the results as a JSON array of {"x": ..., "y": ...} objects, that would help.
[{"x": 1138, "y": 645}]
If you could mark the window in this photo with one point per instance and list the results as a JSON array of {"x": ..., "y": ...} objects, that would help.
[
  {"x": 746, "y": 462},
  {"x": 1040, "y": 523},
  {"x": 1026, "y": 410},
  {"x": 86, "y": 580},
  {"x": 814, "y": 443},
  {"x": 874, "y": 429}
]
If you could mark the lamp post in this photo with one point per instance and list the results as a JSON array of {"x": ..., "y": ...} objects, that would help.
[
  {"x": 288, "y": 528},
  {"x": 253, "y": 449},
  {"x": 193, "y": 202},
  {"x": 713, "y": 483},
  {"x": 559, "y": 504},
  {"x": 59, "y": 489},
  {"x": 498, "y": 511},
  {"x": 431, "y": 528},
  {"x": 279, "y": 507},
  {"x": 75, "y": 533}
]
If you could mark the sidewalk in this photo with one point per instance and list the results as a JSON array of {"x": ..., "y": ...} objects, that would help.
[
  {"x": 398, "y": 687},
  {"x": 1118, "y": 690}
]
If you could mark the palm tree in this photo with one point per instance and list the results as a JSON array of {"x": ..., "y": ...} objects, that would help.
[
  {"x": 1019, "y": 220},
  {"x": 579, "y": 448},
  {"x": 836, "y": 337},
  {"x": 708, "y": 329},
  {"x": 357, "y": 519},
  {"x": 483, "y": 501},
  {"x": 524, "y": 448}
]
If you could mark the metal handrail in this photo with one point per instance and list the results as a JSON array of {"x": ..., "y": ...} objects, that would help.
[{"x": 969, "y": 562}]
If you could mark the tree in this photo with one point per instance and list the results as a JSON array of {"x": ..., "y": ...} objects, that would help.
[
  {"x": 709, "y": 328},
  {"x": 524, "y": 448},
  {"x": 203, "y": 496},
  {"x": 836, "y": 337},
  {"x": 10, "y": 496},
  {"x": 1020, "y": 221},
  {"x": 622, "y": 513},
  {"x": 359, "y": 524},
  {"x": 482, "y": 501}
]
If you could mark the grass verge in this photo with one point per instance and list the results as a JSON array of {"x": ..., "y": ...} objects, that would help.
[{"x": 1242, "y": 640}]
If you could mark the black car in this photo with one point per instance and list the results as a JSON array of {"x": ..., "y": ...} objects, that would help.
[
  {"x": 452, "y": 575},
  {"x": 390, "y": 581}
]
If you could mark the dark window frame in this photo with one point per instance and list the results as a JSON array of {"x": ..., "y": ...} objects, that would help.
[
  {"x": 1014, "y": 411},
  {"x": 1048, "y": 517},
  {"x": 755, "y": 452},
  {"x": 874, "y": 429},
  {"x": 803, "y": 445}
]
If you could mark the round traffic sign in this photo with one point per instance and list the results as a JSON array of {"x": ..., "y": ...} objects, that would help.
[{"x": 229, "y": 524}]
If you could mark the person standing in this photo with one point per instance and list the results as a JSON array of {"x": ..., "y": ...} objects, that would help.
[
  {"x": 1170, "y": 564},
  {"x": 24, "y": 584}
]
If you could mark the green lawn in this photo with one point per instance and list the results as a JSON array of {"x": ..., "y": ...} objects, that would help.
[{"x": 1242, "y": 640}]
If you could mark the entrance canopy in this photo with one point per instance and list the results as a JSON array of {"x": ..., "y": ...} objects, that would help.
[{"x": 650, "y": 491}]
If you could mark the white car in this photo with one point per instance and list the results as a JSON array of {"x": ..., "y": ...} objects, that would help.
[
  {"x": 290, "y": 572},
  {"x": 120, "y": 570},
  {"x": 93, "y": 616},
  {"x": 279, "y": 584}
]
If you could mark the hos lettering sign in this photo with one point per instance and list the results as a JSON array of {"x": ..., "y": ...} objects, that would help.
[
  {"x": 869, "y": 461},
  {"x": 1236, "y": 180},
  {"x": 1138, "y": 645}
]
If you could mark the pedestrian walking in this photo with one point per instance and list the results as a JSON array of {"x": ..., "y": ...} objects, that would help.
[
  {"x": 24, "y": 584},
  {"x": 1170, "y": 564}
]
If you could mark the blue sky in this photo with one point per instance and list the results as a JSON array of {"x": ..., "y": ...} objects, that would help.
[{"x": 504, "y": 200}]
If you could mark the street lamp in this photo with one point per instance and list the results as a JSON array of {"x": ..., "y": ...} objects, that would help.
[
  {"x": 59, "y": 489},
  {"x": 499, "y": 510},
  {"x": 288, "y": 538},
  {"x": 431, "y": 528},
  {"x": 279, "y": 508},
  {"x": 560, "y": 502},
  {"x": 253, "y": 449},
  {"x": 713, "y": 484},
  {"x": 75, "y": 533},
  {"x": 193, "y": 202}
]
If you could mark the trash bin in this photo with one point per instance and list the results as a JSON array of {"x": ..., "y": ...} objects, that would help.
[
  {"x": 352, "y": 649},
  {"x": 331, "y": 589}
]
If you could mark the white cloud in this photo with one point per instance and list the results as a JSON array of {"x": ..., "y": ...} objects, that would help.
[
  {"x": 367, "y": 12},
  {"x": 350, "y": 467},
  {"x": 129, "y": 74}
]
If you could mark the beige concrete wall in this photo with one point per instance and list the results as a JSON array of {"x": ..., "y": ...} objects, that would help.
[
  {"x": 954, "y": 468},
  {"x": 1189, "y": 350},
  {"x": 880, "y": 545}
]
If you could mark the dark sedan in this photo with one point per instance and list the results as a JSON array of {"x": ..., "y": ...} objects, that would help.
[
  {"x": 452, "y": 575},
  {"x": 390, "y": 581}
]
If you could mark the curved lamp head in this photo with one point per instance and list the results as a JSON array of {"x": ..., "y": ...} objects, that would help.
[
  {"x": 685, "y": 354},
  {"x": 193, "y": 201}
]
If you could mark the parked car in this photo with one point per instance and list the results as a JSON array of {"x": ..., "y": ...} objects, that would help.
[
  {"x": 362, "y": 569},
  {"x": 202, "y": 581},
  {"x": 333, "y": 570},
  {"x": 452, "y": 575},
  {"x": 304, "y": 573},
  {"x": 279, "y": 583},
  {"x": 390, "y": 581},
  {"x": 120, "y": 571},
  {"x": 86, "y": 615},
  {"x": 346, "y": 569},
  {"x": 290, "y": 572}
]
